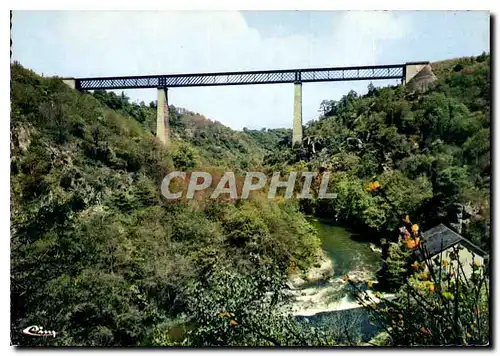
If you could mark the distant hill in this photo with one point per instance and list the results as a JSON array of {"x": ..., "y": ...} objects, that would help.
[{"x": 215, "y": 143}]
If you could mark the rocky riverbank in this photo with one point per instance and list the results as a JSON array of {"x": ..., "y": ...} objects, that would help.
[
  {"x": 320, "y": 291},
  {"x": 321, "y": 272}
]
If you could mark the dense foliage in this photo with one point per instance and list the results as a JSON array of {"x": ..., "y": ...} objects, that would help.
[
  {"x": 96, "y": 254},
  {"x": 444, "y": 301}
]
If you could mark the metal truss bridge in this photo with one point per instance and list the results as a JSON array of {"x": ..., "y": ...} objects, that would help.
[{"x": 309, "y": 75}]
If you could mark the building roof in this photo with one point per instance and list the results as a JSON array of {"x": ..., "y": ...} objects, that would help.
[{"x": 440, "y": 238}]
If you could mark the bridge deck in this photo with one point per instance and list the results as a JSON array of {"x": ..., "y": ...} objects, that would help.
[{"x": 396, "y": 71}]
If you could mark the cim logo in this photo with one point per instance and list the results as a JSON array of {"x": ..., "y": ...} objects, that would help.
[{"x": 35, "y": 330}]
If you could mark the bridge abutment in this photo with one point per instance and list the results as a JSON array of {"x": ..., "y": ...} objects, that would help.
[
  {"x": 297, "y": 114},
  {"x": 70, "y": 82},
  {"x": 418, "y": 76},
  {"x": 162, "y": 125},
  {"x": 412, "y": 69}
]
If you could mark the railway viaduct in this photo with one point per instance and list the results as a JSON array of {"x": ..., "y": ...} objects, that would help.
[{"x": 404, "y": 72}]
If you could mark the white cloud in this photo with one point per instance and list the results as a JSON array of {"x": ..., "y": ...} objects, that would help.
[{"x": 128, "y": 43}]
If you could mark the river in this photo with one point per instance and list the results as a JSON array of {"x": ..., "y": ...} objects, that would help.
[
  {"x": 328, "y": 302},
  {"x": 349, "y": 252},
  {"x": 345, "y": 253}
]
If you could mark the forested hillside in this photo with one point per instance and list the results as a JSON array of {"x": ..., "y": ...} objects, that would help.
[
  {"x": 99, "y": 255},
  {"x": 429, "y": 151}
]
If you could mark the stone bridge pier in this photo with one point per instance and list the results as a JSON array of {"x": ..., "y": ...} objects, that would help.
[
  {"x": 297, "y": 114},
  {"x": 162, "y": 125}
]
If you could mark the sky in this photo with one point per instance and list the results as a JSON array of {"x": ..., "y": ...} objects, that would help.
[{"x": 98, "y": 43}]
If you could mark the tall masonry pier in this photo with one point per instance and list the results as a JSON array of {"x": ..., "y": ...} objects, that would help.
[
  {"x": 297, "y": 113},
  {"x": 417, "y": 74},
  {"x": 162, "y": 125}
]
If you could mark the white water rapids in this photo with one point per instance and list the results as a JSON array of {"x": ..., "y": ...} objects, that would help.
[{"x": 322, "y": 289}]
